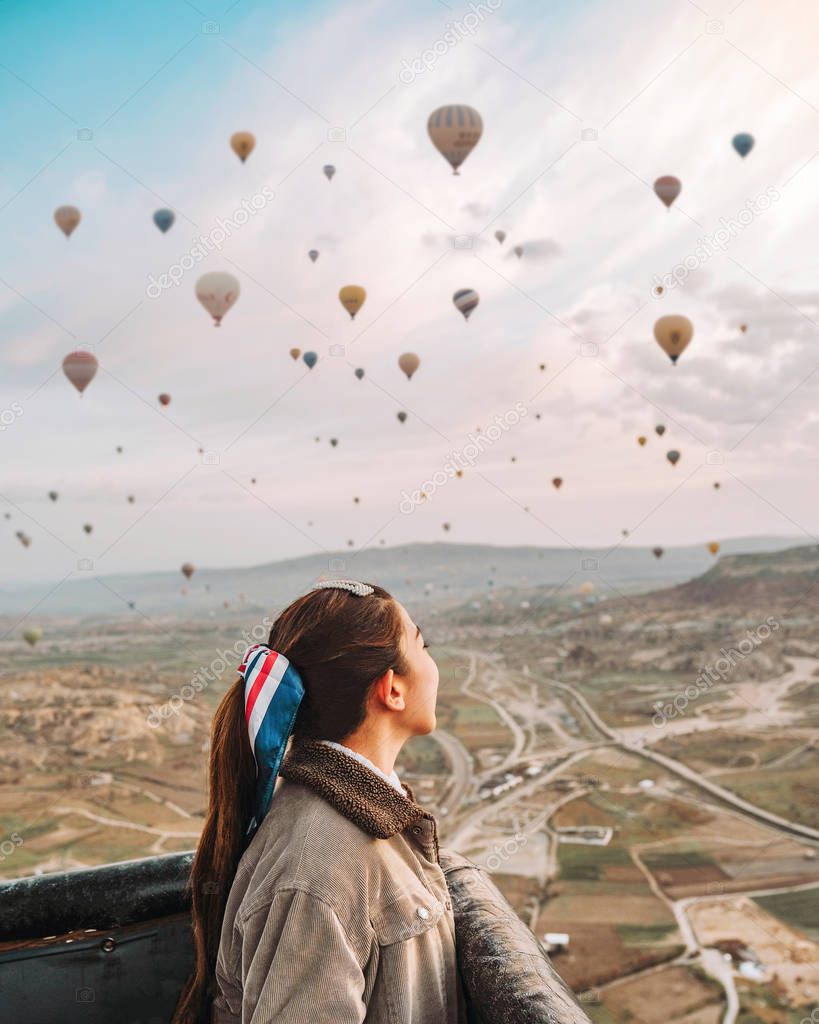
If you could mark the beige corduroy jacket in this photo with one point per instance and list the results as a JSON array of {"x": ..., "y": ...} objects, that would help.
[{"x": 339, "y": 912}]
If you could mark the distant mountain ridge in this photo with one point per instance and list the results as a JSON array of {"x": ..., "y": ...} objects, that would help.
[{"x": 419, "y": 572}]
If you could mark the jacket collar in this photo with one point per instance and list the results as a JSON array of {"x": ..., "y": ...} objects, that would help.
[{"x": 353, "y": 790}]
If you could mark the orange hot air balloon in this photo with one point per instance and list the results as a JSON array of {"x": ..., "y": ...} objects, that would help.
[
  {"x": 242, "y": 144},
  {"x": 713, "y": 547},
  {"x": 164, "y": 399},
  {"x": 295, "y": 353},
  {"x": 673, "y": 334},
  {"x": 743, "y": 327},
  {"x": 80, "y": 368},
  {"x": 187, "y": 570},
  {"x": 667, "y": 188},
  {"x": 67, "y": 218},
  {"x": 641, "y": 440},
  {"x": 409, "y": 363},
  {"x": 352, "y": 297},
  {"x": 557, "y": 482}
]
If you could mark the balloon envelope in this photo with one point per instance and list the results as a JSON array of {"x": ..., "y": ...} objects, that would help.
[
  {"x": 557, "y": 482},
  {"x": 713, "y": 547},
  {"x": 409, "y": 363},
  {"x": 352, "y": 297},
  {"x": 660, "y": 429},
  {"x": 673, "y": 456},
  {"x": 657, "y": 552},
  {"x": 53, "y": 495},
  {"x": 329, "y": 171},
  {"x": 187, "y": 570},
  {"x": 673, "y": 334},
  {"x": 295, "y": 353},
  {"x": 455, "y": 131},
  {"x": 667, "y": 188},
  {"x": 80, "y": 368},
  {"x": 466, "y": 299},
  {"x": 402, "y": 416},
  {"x": 217, "y": 291},
  {"x": 743, "y": 143},
  {"x": 67, "y": 218},
  {"x": 518, "y": 251},
  {"x": 641, "y": 440},
  {"x": 242, "y": 144},
  {"x": 313, "y": 254},
  {"x": 310, "y": 358},
  {"x": 33, "y": 635},
  {"x": 164, "y": 399},
  {"x": 164, "y": 219},
  {"x": 501, "y": 236},
  {"x": 359, "y": 373}
]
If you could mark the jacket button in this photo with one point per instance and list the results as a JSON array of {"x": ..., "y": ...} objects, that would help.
[{"x": 423, "y": 913}]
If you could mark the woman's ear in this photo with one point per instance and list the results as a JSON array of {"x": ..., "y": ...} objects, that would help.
[{"x": 387, "y": 694}]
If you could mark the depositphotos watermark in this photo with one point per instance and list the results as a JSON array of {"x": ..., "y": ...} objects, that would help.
[
  {"x": 711, "y": 674},
  {"x": 8, "y": 416},
  {"x": 10, "y": 845},
  {"x": 205, "y": 675},
  {"x": 468, "y": 455},
  {"x": 717, "y": 242},
  {"x": 211, "y": 242},
  {"x": 455, "y": 32}
]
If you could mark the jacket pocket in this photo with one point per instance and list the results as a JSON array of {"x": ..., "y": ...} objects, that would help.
[{"x": 407, "y": 916}]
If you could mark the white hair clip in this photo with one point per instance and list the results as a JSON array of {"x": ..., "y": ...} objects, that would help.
[{"x": 359, "y": 589}]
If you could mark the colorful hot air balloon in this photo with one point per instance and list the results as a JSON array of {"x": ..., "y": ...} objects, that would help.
[
  {"x": 673, "y": 334},
  {"x": 67, "y": 218},
  {"x": 33, "y": 635},
  {"x": 466, "y": 299},
  {"x": 657, "y": 552},
  {"x": 667, "y": 188},
  {"x": 80, "y": 368},
  {"x": 352, "y": 297},
  {"x": 328, "y": 171},
  {"x": 359, "y": 373},
  {"x": 557, "y": 482},
  {"x": 743, "y": 143},
  {"x": 310, "y": 359},
  {"x": 295, "y": 353},
  {"x": 659, "y": 430},
  {"x": 217, "y": 291},
  {"x": 24, "y": 538},
  {"x": 501, "y": 236},
  {"x": 313, "y": 254},
  {"x": 164, "y": 398},
  {"x": 673, "y": 456},
  {"x": 187, "y": 570},
  {"x": 53, "y": 495},
  {"x": 242, "y": 144},
  {"x": 401, "y": 416},
  {"x": 518, "y": 251},
  {"x": 409, "y": 363},
  {"x": 455, "y": 131},
  {"x": 164, "y": 220},
  {"x": 641, "y": 440},
  {"x": 713, "y": 547}
]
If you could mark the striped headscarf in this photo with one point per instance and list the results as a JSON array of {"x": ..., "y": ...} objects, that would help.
[{"x": 273, "y": 693}]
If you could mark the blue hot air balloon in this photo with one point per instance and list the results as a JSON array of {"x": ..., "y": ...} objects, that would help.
[
  {"x": 164, "y": 220},
  {"x": 310, "y": 358},
  {"x": 743, "y": 143}
]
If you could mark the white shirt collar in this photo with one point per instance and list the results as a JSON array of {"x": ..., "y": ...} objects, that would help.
[{"x": 392, "y": 779}]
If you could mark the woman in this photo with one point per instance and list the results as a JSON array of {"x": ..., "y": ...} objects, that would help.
[{"x": 326, "y": 901}]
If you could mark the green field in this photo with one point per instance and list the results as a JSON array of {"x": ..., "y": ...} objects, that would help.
[{"x": 798, "y": 909}]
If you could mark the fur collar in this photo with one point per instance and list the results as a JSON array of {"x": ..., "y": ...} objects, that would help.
[{"x": 356, "y": 792}]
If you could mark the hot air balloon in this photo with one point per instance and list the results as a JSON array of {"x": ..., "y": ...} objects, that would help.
[
  {"x": 132, "y": 605},
  {"x": 673, "y": 334},
  {"x": 660, "y": 429},
  {"x": 557, "y": 482},
  {"x": 641, "y": 440},
  {"x": 295, "y": 353},
  {"x": 334, "y": 441},
  {"x": 164, "y": 399},
  {"x": 624, "y": 533},
  {"x": 673, "y": 456},
  {"x": 713, "y": 547},
  {"x": 164, "y": 220},
  {"x": 328, "y": 171},
  {"x": 359, "y": 373},
  {"x": 658, "y": 289},
  {"x": 131, "y": 499},
  {"x": 455, "y": 131},
  {"x": 518, "y": 251},
  {"x": 466, "y": 299},
  {"x": 310, "y": 359},
  {"x": 24, "y": 538},
  {"x": 88, "y": 527},
  {"x": 587, "y": 587},
  {"x": 356, "y": 501},
  {"x": 446, "y": 527},
  {"x": 501, "y": 236},
  {"x": 119, "y": 449},
  {"x": 80, "y": 368},
  {"x": 242, "y": 144},
  {"x": 32, "y": 635},
  {"x": 743, "y": 327},
  {"x": 667, "y": 188},
  {"x": 217, "y": 291},
  {"x": 459, "y": 473},
  {"x": 716, "y": 485},
  {"x": 401, "y": 416},
  {"x": 743, "y": 143},
  {"x": 352, "y": 297},
  {"x": 657, "y": 552},
  {"x": 409, "y": 363},
  {"x": 67, "y": 218},
  {"x": 313, "y": 254},
  {"x": 187, "y": 570},
  {"x": 53, "y": 495}
]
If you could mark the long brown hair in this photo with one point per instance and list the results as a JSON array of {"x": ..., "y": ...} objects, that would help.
[{"x": 340, "y": 644}]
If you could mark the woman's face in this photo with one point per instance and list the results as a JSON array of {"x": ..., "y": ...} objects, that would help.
[{"x": 421, "y": 678}]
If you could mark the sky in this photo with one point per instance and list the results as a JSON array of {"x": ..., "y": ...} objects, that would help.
[{"x": 125, "y": 108}]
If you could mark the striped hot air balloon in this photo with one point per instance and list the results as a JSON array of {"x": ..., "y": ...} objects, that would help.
[
  {"x": 455, "y": 131},
  {"x": 466, "y": 299},
  {"x": 80, "y": 367}
]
